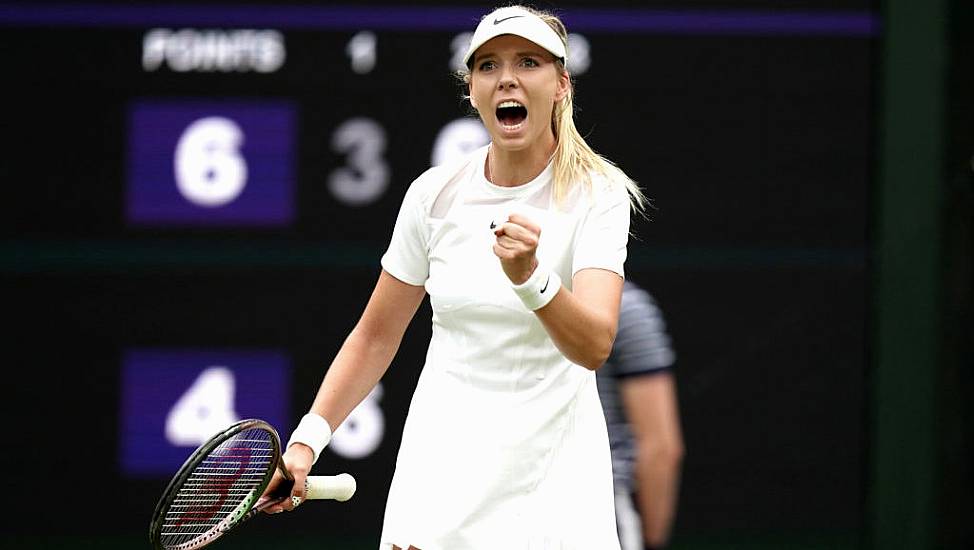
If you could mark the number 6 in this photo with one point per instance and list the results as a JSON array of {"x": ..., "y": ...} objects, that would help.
[{"x": 210, "y": 171}]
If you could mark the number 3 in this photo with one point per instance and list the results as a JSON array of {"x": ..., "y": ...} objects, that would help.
[{"x": 367, "y": 176}]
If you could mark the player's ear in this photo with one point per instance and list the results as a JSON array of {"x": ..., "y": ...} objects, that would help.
[
  {"x": 563, "y": 87},
  {"x": 473, "y": 102}
]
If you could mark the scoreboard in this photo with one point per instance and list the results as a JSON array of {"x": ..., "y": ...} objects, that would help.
[{"x": 197, "y": 197}]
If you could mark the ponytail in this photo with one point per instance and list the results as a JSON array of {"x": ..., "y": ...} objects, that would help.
[{"x": 574, "y": 161}]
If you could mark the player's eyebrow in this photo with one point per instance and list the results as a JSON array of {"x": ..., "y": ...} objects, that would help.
[{"x": 524, "y": 53}]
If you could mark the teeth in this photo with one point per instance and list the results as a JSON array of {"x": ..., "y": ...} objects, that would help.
[{"x": 510, "y": 104}]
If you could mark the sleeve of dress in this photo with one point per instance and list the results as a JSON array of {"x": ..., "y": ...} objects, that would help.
[
  {"x": 407, "y": 257},
  {"x": 604, "y": 233}
]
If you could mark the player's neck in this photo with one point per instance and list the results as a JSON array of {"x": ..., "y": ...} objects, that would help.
[{"x": 507, "y": 168}]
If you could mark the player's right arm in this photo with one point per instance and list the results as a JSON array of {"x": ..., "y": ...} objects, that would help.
[
  {"x": 357, "y": 368},
  {"x": 369, "y": 349}
]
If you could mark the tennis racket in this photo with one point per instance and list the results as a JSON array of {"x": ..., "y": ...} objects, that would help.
[{"x": 220, "y": 486}]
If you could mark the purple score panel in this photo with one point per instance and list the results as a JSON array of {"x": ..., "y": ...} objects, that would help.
[
  {"x": 195, "y": 163},
  {"x": 174, "y": 400}
]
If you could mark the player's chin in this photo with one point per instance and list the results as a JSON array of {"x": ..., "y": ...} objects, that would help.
[{"x": 510, "y": 143}]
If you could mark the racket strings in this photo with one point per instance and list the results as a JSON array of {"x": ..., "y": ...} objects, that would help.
[{"x": 226, "y": 480}]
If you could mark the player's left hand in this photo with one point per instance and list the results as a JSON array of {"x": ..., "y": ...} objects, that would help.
[{"x": 515, "y": 245}]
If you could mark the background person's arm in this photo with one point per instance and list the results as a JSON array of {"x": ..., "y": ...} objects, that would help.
[{"x": 651, "y": 407}]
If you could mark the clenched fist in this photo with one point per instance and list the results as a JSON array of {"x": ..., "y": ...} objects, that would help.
[{"x": 517, "y": 241}]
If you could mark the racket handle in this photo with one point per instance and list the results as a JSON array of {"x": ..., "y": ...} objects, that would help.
[{"x": 340, "y": 487}]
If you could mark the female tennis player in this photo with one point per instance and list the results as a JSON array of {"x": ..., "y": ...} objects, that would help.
[{"x": 521, "y": 247}]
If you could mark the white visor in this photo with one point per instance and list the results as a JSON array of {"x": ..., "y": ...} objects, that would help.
[{"x": 520, "y": 22}]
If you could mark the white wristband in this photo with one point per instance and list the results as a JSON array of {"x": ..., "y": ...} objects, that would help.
[
  {"x": 539, "y": 289},
  {"x": 312, "y": 431}
]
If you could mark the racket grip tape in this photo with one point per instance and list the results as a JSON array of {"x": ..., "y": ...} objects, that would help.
[{"x": 340, "y": 487}]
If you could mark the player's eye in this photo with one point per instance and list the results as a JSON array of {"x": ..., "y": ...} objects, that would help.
[
  {"x": 530, "y": 62},
  {"x": 486, "y": 66}
]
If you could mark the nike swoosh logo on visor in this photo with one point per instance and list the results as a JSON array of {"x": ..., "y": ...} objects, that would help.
[{"x": 499, "y": 21}]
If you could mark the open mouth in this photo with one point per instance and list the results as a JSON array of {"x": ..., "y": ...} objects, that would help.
[{"x": 511, "y": 114}]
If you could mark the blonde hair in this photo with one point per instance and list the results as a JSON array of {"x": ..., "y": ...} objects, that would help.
[{"x": 574, "y": 160}]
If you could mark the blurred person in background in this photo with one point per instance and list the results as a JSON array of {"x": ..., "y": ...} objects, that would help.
[
  {"x": 638, "y": 392},
  {"x": 505, "y": 444}
]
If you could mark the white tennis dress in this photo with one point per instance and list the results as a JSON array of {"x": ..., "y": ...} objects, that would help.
[{"x": 505, "y": 443}]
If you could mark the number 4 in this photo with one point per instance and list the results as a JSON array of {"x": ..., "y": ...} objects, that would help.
[{"x": 204, "y": 409}]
